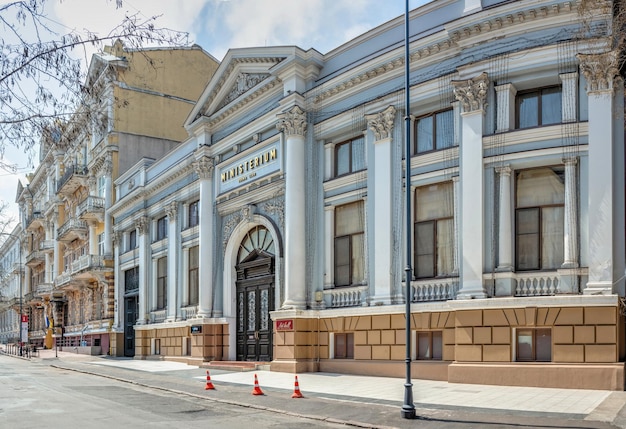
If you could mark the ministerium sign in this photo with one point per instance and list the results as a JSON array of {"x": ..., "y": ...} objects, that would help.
[{"x": 251, "y": 166}]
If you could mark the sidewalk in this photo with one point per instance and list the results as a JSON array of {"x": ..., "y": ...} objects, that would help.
[{"x": 381, "y": 397}]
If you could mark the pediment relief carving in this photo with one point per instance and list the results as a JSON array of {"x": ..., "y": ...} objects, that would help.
[{"x": 244, "y": 82}]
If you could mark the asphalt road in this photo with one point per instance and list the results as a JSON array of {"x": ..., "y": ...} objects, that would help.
[
  {"x": 53, "y": 393},
  {"x": 40, "y": 396}
]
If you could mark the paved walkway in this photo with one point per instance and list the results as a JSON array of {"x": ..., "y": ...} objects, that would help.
[{"x": 579, "y": 404}]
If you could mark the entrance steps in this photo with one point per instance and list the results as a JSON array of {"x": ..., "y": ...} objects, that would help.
[{"x": 237, "y": 365}]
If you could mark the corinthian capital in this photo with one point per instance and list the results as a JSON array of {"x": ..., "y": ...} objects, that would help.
[
  {"x": 381, "y": 123},
  {"x": 292, "y": 122},
  {"x": 600, "y": 70},
  {"x": 171, "y": 209},
  {"x": 472, "y": 93},
  {"x": 204, "y": 167},
  {"x": 142, "y": 224}
]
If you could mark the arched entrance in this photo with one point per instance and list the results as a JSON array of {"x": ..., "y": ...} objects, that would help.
[{"x": 255, "y": 295}]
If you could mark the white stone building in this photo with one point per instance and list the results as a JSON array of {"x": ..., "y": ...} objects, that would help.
[{"x": 276, "y": 232}]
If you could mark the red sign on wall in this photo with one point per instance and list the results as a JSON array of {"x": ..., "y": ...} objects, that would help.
[
  {"x": 284, "y": 325},
  {"x": 24, "y": 318}
]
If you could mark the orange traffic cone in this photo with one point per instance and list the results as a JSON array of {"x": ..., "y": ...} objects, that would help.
[
  {"x": 296, "y": 390},
  {"x": 257, "y": 390},
  {"x": 209, "y": 385}
]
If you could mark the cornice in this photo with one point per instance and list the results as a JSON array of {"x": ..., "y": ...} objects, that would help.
[{"x": 454, "y": 37}]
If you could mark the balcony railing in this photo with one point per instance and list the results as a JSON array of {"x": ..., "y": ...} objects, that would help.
[
  {"x": 73, "y": 177},
  {"x": 44, "y": 288},
  {"x": 434, "y": 289},
  {"x": 189, "y": 312},
  {"x": 537, "y": 284},
  {"x": 34, "y": 258},
  {"x": 34, "y": 221},
  {"x": 62, "y": 279},
  {"x": 91, "y": 207},
  {"x": 90, "y": 262},
  {"x": 71, "y": 229},
  {"x": 46, "y": 246},
  {"x": 352, "y": 296},
  {"x": 158, "y": 316}
]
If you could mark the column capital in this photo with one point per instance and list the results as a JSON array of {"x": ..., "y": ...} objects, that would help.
[
  {"x": 142, "y": 224},
  {"x": 504, "y": 170},
  {"x": 600, "y": 70},
  {"x": 107, "y": 167},
  {"x": 571, "y": 160},
  {"x": 381, "y": 123},
  {"x": 292, "y": 122},
  {"x": 204, "y": 167},
  {"x": 472, "y": 93},
  {"x": 171, "y": 209}
]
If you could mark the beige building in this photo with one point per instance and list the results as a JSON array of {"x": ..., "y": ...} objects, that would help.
[{"x": 135, "y": 107}]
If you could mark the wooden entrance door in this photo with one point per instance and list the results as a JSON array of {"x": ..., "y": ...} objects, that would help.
[
  {"x": 130, "y": 318},
  {"x": 255, "y": 300}
]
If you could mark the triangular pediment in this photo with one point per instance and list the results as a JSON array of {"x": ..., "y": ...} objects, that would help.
[{"x": 243, "y": 73}]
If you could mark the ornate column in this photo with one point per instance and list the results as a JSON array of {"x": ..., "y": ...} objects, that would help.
[
  {"x": 107, "y": 170},
  {"x": 172, "y": 262},
  {"x": 204, "y": 167},
  {"x": 569, "y": 277},
  {"x": 472, "y": 93},
  {"x": 569, "y": 96},
  {"x": 456, "y": 189},
  {"x": 381, "y": 125},
  {"x": 329, "y": 241},
  {"x": 505, "y": 284},
  {"x": 143, "y": 227},
  {"x": 605, "y": 90},
  {"x": 505, "y": 231},
  {"x": 293, "y": 125}
]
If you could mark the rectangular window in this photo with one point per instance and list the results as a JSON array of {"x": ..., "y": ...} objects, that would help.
[
  {"x": 161, "y": 283},
  {"x": 539, "y": 218},
  {"x": 534, "y": 345},
  {"x": 344, "y": 346},
  {"x": 131, "y": 279},
  {"x": 193, "y": 275},
  {"x": 101, "y": 244},
  {"x": 429, "y": 345},
  {"x": 193, "y": 216},
  {"x": 161, "y": 231},
  {"x": 434, "y": 231},
  {"x": 435, "y": 131},
  {"x": 101, "y": 186},
  {"x": 539, "y": 107},
  {"x": 350, "y": 156},
  {"x": 132, "y": 240},
  {"x": 349, "y": 244}
]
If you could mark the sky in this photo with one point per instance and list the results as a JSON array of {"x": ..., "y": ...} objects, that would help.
[{"x": 218, "y": 25}]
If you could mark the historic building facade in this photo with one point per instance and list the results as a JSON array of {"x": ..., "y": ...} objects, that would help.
[
  {"x": 135, "y": 106},
  {"x": 11, "y": 285},
  {"x": 276, "y": 231}
]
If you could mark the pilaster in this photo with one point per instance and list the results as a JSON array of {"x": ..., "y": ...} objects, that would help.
[
  {"x": 472, "y": 93},
  {"x": 606, "y": 172},
  {"x": 381, "y": 125}
]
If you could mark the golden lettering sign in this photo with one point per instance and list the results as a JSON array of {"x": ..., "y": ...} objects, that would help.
[{"x": 249, "y": 165}]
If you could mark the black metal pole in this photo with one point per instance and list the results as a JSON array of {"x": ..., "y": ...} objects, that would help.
[
  {"x": 19, "y": 273},
  {"x": 408, "y": 408}
]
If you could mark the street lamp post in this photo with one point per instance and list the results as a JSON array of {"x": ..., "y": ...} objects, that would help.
[{"x": 408, "y": 408}]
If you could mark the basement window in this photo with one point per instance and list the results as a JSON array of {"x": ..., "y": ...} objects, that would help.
[
  {"x": 534, "y": 345},
  {"x": 429, "y": 345},
  {"x": 344, "y": 346}
]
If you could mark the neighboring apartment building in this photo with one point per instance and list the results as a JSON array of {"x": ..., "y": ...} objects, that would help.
[
  {"x": 11, "y": 285},
  {"x": 137, "y": 102},
  {"x": 276, "y": 232}
]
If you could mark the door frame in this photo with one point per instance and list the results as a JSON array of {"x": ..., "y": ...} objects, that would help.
[{"x": 229, "y": 279}]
